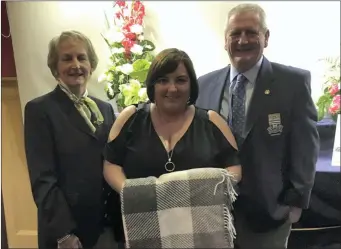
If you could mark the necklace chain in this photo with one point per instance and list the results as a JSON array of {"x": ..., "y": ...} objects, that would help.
[
  {"x": 171, "y": 155},
  {"x": 169, "y": 165}
]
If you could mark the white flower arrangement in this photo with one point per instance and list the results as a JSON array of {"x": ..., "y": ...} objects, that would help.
[{"x": 131, "y": 55}]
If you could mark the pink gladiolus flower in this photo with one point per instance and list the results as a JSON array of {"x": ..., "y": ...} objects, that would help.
[
  {"x": 333, "y": 89},
  {"x": 335, "y": 106}
]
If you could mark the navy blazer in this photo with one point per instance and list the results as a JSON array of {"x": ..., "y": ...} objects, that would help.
[
  {"x": 65, "y": 165},
  {"x": 280, "y": 151}
]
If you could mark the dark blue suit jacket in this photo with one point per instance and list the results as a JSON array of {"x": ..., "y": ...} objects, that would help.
[
  {"x": 278, "y": 169},
  {"x": 65, "y": 165}
]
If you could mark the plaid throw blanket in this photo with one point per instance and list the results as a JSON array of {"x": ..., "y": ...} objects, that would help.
[{"x": 184, "y": 209}]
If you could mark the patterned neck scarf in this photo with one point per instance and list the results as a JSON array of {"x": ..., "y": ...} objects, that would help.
[{"x": 85, "y": 106}]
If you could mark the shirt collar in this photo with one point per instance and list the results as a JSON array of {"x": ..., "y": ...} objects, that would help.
[{"x": 251, "y": 74}]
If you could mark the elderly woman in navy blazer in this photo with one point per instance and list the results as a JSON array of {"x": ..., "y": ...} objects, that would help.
[{"x": 65, "y": 133}]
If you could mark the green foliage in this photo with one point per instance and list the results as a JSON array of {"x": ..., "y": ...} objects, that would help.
[
  {"x": 328, "y": 103},
  {"x": 140, "y": 67}
]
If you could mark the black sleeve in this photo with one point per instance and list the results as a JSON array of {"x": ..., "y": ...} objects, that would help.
[
  {"x": 226, "y": 154},
  {"x": 115, "y": 150},
  {"x": 53, "y": 210}
]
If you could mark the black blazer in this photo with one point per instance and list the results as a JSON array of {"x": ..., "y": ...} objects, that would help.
[
  {"x": 279, "y": 167},
  {"x": 65, "y": 165}
]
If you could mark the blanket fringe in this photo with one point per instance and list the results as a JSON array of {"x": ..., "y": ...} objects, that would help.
[{"x": 231, "y": 196}]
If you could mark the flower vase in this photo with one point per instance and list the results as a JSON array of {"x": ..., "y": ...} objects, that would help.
[{"x": 328, "y": 115}]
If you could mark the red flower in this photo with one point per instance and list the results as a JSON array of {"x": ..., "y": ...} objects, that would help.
[
  {"x": 118, "y": 15},
  {"x": 127, "y": 44},
  {"x": 128, "y": 24},
  {"x": 139, "y": 20},
  {"x": 136, "y": 15},
  {"x": 138, "y": 6},
  {"x": 130, "y": 36},
  {"x": 333, "y": 89},
  {"x": 120, "y": 3},
  {"x": 139, "y": 10},
  {"x": 335, "y": 106},
  {"x": 126, "y": 27}
]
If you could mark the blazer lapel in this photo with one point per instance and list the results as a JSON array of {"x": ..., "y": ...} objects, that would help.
[
  {"x": 262, "y": 88},
  {"x": 73, "y": 114},
  {"x": 100, "y": 128},
  {"x": 217, "y": 89}
]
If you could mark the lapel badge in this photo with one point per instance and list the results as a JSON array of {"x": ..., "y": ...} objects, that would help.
[
  {"x": 275, "y": 124},
  {"x": 267, "y": 92}
]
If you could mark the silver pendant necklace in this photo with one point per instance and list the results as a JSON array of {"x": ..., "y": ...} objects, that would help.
[{"x": 169, "y": 165}]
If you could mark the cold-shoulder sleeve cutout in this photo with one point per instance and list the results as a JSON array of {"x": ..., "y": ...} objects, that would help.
[
  {"x": 115, "y": 149},
  {"x": 228, "y": 151},
  {"x": 120, "y": 122}
]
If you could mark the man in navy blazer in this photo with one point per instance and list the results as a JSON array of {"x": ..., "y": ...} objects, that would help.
[{"x": 274, "y": 122}]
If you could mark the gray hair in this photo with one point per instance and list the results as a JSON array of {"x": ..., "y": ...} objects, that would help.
[
  {"x": 52, "y": 58},
  {"x": 246, "y": 7}
]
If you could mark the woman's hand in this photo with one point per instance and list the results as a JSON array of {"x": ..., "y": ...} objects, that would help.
[
  {"x": 236, "y": 172},
  {"x": 71, "y": 241},
  {"x": 295, "y": 214}
]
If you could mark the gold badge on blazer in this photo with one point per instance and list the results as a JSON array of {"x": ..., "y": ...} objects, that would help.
[{"x": 275, "y": 124}]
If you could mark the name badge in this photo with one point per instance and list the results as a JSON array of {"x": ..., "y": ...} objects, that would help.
[{"x": 275, "y": 124}]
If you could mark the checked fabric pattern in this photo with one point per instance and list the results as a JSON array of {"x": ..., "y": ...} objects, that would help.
[
  {"x": 184, "y": 209},
  {"x": 237, "y": 117}
]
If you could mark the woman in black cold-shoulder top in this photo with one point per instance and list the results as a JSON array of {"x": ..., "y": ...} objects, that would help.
[{"x": 169, "y": 133}]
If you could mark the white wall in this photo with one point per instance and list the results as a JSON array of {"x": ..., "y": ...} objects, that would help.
[
  {"x": 195, "y": 27},
  {"x": 301, "y": 33},
  {"x": 34, "y": 24}
]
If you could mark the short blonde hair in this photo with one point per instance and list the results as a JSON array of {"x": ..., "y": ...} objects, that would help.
[
  {"x": 52, "y": 58},
  {"x": 246, "y": 7}
]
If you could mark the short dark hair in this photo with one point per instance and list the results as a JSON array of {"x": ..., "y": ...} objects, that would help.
[{"x": 166, "y": 62}]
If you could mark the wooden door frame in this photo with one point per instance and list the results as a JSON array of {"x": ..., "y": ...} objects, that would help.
[
  {"x": 21, "y": 229},
  {"x": 5, "y": 81},
  {"x": 4, "y": 243}
]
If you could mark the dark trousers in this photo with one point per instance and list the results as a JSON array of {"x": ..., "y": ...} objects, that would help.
[
  {"x": 248, "y": 239},
  {"x": 106, "y": 240}
]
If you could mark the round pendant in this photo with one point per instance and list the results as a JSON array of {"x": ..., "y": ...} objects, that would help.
[{"x": 170, "y": 166}]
